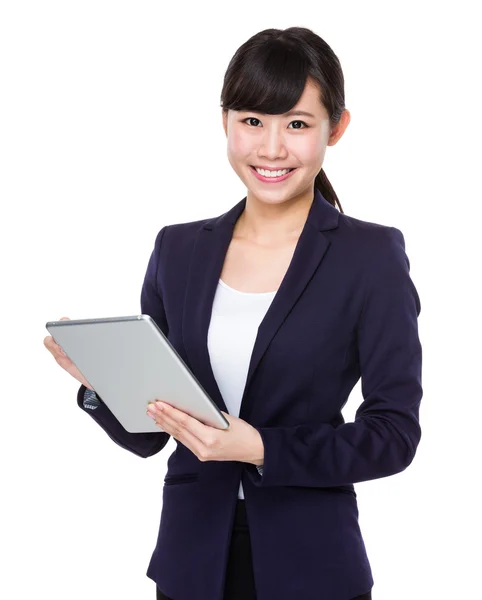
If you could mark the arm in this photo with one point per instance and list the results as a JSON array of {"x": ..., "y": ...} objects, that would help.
[
  {"x": 385, "y": 434},
  {"x": 141, "y": 444}
]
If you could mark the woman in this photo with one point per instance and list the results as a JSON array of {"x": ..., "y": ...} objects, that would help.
[{"x": 278, "y": 307}]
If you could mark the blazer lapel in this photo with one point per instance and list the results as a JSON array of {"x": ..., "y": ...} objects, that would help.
[{"x": 209, "y": 251}]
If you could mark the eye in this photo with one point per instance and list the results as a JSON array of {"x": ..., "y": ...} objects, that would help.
[
  {"x": 255, "y": 119},
  {"x": 250, "y": 119},
  {"x": 304, "y": 124}
]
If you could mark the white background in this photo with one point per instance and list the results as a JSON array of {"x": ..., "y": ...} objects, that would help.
[{"x": 110, "y": 129}]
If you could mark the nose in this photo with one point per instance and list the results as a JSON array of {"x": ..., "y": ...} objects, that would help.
[{"x": 273, "y": 145}]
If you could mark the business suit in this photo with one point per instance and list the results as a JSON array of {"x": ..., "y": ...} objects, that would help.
[{"x": 346, "y": 308}]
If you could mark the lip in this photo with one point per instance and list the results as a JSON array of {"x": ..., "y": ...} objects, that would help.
[
  {"x": 271, "y": 179},
  {"x": 270, "y": 168}
]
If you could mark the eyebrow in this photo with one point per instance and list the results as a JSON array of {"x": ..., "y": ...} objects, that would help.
[
  {"x": 291, "y": 113},
  {"x": 303, "y": 113}
]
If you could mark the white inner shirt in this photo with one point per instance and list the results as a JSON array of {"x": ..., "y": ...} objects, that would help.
[{"x": 233, "y": 328}]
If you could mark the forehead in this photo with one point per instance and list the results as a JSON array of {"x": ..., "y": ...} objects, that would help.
[{"x": 309, "y": 105}]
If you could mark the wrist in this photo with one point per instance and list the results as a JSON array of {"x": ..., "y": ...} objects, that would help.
[{"x": 258, "y": 450}]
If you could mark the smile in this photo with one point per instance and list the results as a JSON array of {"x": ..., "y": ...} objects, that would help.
[{"x": 272, "y": 179}]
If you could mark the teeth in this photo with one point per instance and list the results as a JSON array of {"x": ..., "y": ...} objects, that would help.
[{"x": 272, "y": 173}]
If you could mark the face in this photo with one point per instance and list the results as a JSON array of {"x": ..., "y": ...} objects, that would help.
[{"x": 290, "y": 140}]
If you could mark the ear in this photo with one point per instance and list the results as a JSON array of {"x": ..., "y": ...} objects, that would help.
[{"x": 339, "y": 128}]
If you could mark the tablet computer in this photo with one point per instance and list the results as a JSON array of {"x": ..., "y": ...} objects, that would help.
[{"x": 130, "y": 362}]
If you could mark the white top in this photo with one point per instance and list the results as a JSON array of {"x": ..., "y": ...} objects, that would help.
[{"x": 233, "y": 328}]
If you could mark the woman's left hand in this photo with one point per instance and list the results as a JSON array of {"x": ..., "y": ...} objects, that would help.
[{"x": 240, "y": 441}]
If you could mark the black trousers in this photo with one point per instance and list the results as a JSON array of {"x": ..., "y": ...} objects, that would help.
[{"x": 240, "y": 576}]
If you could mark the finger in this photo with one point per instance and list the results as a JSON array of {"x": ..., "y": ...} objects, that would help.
[
  {"x": 181, "y": 434},
  {"x": 182, "y": 427},
  {"x": 180, "y": 419},
  {"x": 164, "y": 421},
  {"x": 51, "y": 345},
  {"x": 48, "y": 341},
  {"x": 186, "y": 438}
]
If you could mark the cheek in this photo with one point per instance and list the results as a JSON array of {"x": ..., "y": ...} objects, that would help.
[
  {"x": 311, "y": 151},
  {"x": 238, "y": 146}
]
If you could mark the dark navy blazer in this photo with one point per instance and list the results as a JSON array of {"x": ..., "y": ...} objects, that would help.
[{"x": 346, "y": 308}]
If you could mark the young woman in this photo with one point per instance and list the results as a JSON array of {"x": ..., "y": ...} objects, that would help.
[{"x": 278, "y": 306}]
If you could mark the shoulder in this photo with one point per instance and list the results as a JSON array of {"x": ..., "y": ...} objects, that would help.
[
  {"x": 370, "y": 241},
  {"x": 369, "y": 233},
  {"x": 376, "y": 254},
  {"x": 185, "y": 231},
  {"x": 176, "y": 244},
  {"x": 365, "y": 240},
  {"x": 176, "y": 238}
]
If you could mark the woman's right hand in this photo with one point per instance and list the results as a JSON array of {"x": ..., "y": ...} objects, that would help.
[{"x": 63, "y": 360}]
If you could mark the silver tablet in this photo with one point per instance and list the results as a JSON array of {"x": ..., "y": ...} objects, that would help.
[{"x": 129, "y": 362}]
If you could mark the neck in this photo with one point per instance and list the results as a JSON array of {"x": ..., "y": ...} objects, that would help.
[{"x": 265, "y": 223}]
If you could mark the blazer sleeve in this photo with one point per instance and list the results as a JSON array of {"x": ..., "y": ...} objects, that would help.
[
  {"x": 141, "y": 444},
  {"x": 384, "y": 437}
]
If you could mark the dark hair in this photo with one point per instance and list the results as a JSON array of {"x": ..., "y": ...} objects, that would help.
[{"x": 268, "y": 74}]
